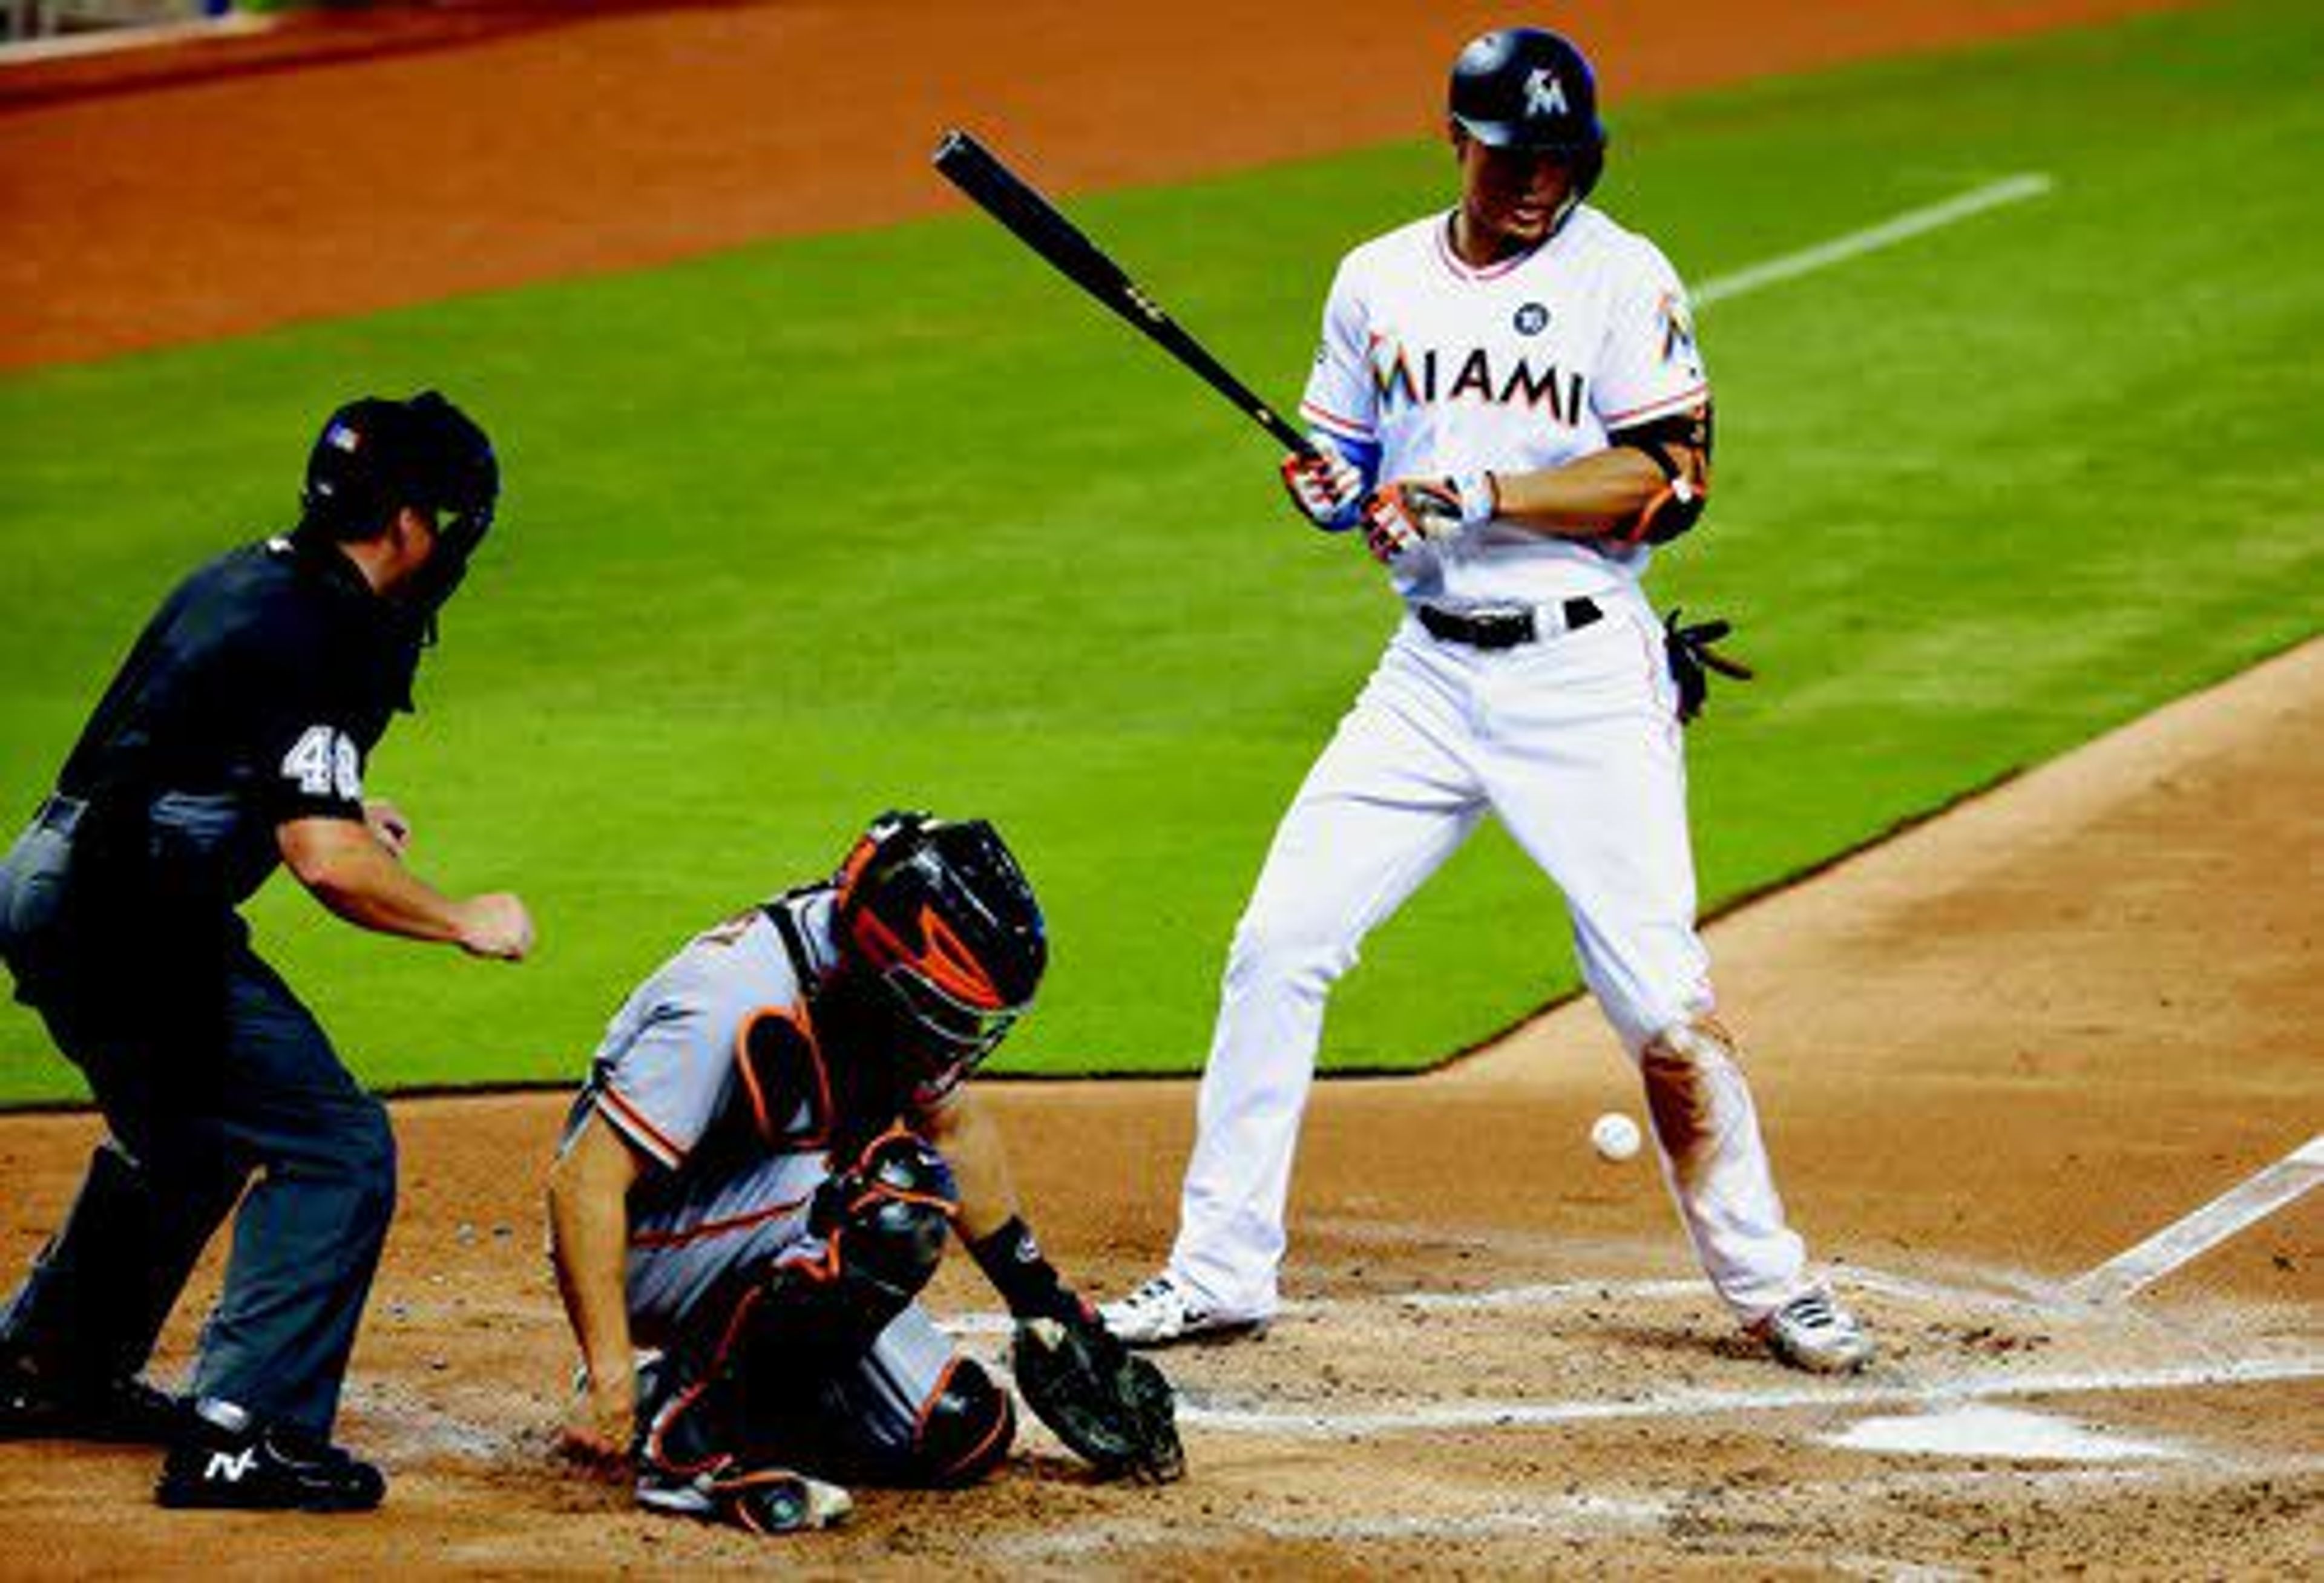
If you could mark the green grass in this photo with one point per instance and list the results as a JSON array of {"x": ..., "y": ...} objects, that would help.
[{"x": 808, "y": 530}]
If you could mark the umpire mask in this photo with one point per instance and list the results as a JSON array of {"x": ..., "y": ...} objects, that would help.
[{"x": 377, "y": 455}]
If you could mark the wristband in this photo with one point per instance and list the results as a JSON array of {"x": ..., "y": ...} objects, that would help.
[
  {"x": 1027, "y": 1282},
  {"x": 1479, "y": 496}
]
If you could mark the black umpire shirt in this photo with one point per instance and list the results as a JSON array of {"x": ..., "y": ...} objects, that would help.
[{"x": 252, "y": 698}]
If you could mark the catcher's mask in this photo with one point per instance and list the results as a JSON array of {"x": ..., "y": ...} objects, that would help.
[
  {"x": 377, "y": 455},
  {"x": 943, "y": 935},
  {"x": 1527, "y": 87}
]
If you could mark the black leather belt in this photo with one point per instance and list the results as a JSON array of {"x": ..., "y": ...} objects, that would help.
[
  {"x": 60, "y": 814},
  {"x": 1507, "y": 626}
]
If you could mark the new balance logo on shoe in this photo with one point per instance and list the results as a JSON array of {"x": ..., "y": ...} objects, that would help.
[
  {"x": 231, "y": 1469},
  {"x": 265, "y": 1468}
]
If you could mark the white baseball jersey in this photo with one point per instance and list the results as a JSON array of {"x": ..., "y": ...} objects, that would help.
[
  {"x": 1431, "y": 368},
  {"x": 1527, "y": 363}
]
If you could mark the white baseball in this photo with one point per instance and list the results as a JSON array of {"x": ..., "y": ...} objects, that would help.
[{"x": 1614, "y": 1135}]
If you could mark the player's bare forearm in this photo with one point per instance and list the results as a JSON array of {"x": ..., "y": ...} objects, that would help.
[
  {"x": 968, "y": 1136},
  {"x": 346, "y": 867},
  {"x": 589, "y": 1237},
  {"x": 1587, "y": 498},
  {"x": 990, "y": 1224}
]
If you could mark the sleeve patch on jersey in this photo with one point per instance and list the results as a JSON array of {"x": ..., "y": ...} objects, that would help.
[
  {"x": 631, "y": 1122},
  {"x": 324, "y": 763},
  {"x": 1678, "y": 328}
]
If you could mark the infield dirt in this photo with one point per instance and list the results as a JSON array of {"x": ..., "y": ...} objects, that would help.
[{"x": 1991, "y": 1054}]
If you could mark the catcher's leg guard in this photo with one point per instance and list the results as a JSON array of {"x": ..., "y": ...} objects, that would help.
[
  {"x": 894, "y": 1208},
  {"x": 965, "y": 1429},
  {"x": 750, "y": 1388}
]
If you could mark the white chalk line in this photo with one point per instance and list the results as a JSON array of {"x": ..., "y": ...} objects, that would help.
[
  {"x": 2253, "y": 1200},
  {"x": 1580, "y": 1514},
  {"x": 1569, "y": 1293},
  {"x": 1308, "y": 1423},
  {"x": 1912, "y": 223}
]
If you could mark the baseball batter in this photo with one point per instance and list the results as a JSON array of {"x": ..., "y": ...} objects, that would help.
[
  {"x": 1509, "y": 400},
  {"x": 758, "y": 1179}
]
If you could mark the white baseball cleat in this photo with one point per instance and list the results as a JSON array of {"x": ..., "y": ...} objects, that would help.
[
  {"x": 1162, "y": 1313},
  {"x": 1813, "y": 1332}
]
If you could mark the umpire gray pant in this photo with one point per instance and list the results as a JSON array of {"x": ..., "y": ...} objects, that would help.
[{"x": 214, "y": 1078}]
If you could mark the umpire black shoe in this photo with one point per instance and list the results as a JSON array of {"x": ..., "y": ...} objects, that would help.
[
  {"x": 232, "y": 1461},
  {"x": 124, "y": 1411}
]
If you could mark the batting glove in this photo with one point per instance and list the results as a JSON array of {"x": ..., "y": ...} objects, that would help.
[
  {"x": 1415, "y": 511},
  {"x": 1325, "y": 486},
  {"x": 1693, "y": 659}
]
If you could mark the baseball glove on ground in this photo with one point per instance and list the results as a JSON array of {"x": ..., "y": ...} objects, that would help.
[{"x": 1112, "y": 1407}]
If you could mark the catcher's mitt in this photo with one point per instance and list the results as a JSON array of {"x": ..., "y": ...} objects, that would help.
[{"x": 1112, "y": 1407}]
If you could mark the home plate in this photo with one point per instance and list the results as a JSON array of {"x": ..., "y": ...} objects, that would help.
[{"x": 1979, "y": 1431}]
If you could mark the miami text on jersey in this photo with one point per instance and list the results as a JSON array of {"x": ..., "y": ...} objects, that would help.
[{"x": 1449, "y": 375}]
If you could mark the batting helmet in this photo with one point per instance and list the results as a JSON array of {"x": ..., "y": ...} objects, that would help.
[
  {"x": 938, "y": 914},
  {"x": 1527, "y": 87},
  {"x": 377, "y": 455}
]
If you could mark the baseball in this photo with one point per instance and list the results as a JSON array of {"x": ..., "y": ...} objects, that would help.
[{"x": 1614, "y": 1135}]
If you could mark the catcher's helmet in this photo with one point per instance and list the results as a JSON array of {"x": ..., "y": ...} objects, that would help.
[
  {"x": 1527, "y": 87},
  {"x": 938, "y": 914},
  {"x": 376, "y": 455}
]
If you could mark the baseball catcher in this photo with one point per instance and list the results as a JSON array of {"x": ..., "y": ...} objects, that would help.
[{"x": 758, "y": 1179}]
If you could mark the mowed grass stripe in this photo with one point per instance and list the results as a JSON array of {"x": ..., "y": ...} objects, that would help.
[{"x": 800, "y": 532}]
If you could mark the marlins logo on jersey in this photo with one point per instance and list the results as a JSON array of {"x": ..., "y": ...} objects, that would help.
[{"x": 1678, "y": 331}]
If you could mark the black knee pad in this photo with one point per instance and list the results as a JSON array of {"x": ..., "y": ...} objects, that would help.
[
  {"x": 965, "y": 1429},
  {"x": 798, "y": 1323},
  {"x": 887, "y": 1251},
  {"x": 885, "y": 1217}
]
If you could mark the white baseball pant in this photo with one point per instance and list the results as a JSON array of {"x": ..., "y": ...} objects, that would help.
[{"x": 1573, "y": 741}]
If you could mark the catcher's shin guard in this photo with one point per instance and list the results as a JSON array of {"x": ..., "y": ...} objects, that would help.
[
  {"x": 965, "y": 1429},
  {"x": 781, "y": 1332}
]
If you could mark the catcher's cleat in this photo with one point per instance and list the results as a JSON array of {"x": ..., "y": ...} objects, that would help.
[
  {"x": 766, "y": 1500},
  {"x": 123, "y": 1412},
  {"x": 1162, "y": 1313},
  {"x": 229, "y": 1459},
  {"x": 1813, "y": 1332}
]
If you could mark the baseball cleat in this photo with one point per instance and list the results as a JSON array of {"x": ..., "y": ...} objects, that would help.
[
  {"x": 767, "y": 1500},
  {"x": 230, "y": 1461},
  {"x": 1162, "y": 1313},
  {"x": 123, "y": 1412},
  {"x": 1813, "y": 1332}
]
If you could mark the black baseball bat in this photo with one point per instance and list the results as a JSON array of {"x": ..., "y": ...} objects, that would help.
[{"x": 1001, "y": 193}]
